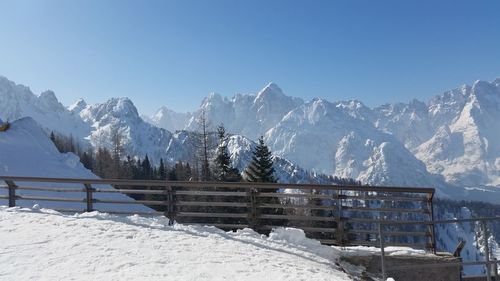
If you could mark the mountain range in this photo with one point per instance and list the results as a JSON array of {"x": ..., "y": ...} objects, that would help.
[{"x": 449, "y": 142}]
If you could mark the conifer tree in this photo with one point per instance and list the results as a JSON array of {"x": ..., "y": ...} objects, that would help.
[
  {"x": 162, "y": 173},
  {"x": 147, "y": 171},
  {"x": 222, "y": 160},
  {"x": 261, "y": 168}
]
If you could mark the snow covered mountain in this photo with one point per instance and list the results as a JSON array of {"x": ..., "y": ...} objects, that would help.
[
  {"x": 445, "y": 142},
  {"x": 248, "y": 115},
  {"x": 119, "y": 117},
  {"x": 17, "y": 101},
  {"x": 451, "y": 134},
  {"x": 168, "y": 119},
  {"x": 466, "y": 149},
  {"x": 25, "y": 150}
]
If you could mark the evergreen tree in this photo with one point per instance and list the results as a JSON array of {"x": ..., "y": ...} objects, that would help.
[
  {"x": 147, "y": 171},
  {"x": 162, "y": 173},
  {"x": 87, "y": 159},
  {"x": 261, "y": 168},
  {"x": 222, "y": 161}
]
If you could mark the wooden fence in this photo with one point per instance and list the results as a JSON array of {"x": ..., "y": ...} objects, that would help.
[{"x": 334, "y": 214}]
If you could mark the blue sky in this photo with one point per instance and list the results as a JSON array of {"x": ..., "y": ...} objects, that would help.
[{"x": 174, "y": 53}]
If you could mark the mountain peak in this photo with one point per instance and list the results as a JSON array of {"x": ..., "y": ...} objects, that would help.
[
  {"x": 49, "y": 100},
  {"x": 270, "y": 90},
  {"x": 78, "y": 105}
]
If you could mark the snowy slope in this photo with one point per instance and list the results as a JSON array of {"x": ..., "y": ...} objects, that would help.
[
  {"x": 25, "y": 150},
  {"x": 43, "y": 245}
]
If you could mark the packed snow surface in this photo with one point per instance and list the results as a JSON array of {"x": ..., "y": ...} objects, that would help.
[{"x": 41, "y": 244}]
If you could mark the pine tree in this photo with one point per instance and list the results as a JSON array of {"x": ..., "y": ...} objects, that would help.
[
  {"x": 162, "y": 173},
  {"x": 261, "y": 168},
  {"x": 147, "y": 171},
  {"x": 222, "y": 159}
]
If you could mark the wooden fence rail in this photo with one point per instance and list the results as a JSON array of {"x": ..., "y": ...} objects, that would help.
[{"x": 333, "y": 214}]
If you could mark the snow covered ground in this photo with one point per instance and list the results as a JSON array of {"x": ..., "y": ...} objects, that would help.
[{"x": 40, "y": 244}]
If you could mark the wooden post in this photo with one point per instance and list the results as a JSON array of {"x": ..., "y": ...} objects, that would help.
[
  {"x": 12, "y": 193},
  {"x": 340, "y": 224},
  {"x": 495, "y": 268},
  {"x": 432, "y": 226},
  {"x": 382, "y": 251},
  {"x": 89, "y": 199},
  {"x": 487, "y": 250},
  {"x": 170, "y": 212},
  {"x": 253, "y": 223}
]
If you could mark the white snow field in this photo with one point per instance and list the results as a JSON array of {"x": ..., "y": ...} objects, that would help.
[{"x": 41, "y": 244}]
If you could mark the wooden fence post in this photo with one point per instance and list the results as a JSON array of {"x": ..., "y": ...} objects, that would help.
[
  {"x": 88, "y": 197},
  {"x": 382, "y": 251},
  {"x": 12, "y": 193},
  {"x": 486, "y": 249},
  {"x": 253, "y": 209},
  {"x": 340, "y": 232},
  {"x": 495, "y": 268},
  {"x": 432, "y": 227},
  {"x": 170, "y": 212}
]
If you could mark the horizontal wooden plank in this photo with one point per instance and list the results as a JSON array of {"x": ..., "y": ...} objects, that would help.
[
  {"x": 211, "y": 193},
  {"x": 4, "y": 197},
  {"x": 51, "y": 189},
  {"x": 213, "y": 204},
  {"x": 44, "y": 198},
  {"x": 387, "y": 198},
  {"x": 377, "y": 221},
  {"x": 389, "y": 233},
  {"x": 388, "y": 243},
  {"x": 131, "y": 191},
  {"x": 212, "y": 215},
  {"x": 301, "y": 207},
  {"x": 391, "y": 210},
  {"x": 131, "y": 201},
  {"x": 429, "y": 191},
  {"x": 300, "y": 218},
  {"x": 293, "y": 195}
]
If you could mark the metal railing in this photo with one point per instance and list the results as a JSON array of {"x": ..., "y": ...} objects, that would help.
[
  {"x": 488, "y": 262},
  {"x": 333, "y": 214}
]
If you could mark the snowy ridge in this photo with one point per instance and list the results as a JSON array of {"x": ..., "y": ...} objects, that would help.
[
  {"x": 119, "y": 115},
  {"x": 17, "y": 101}
]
